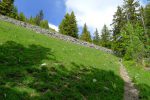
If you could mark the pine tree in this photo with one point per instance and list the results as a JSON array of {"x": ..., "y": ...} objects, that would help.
[
  {"x": 44, "y": 24},
  {"x": 7, "y": 8},
  {"x": 132, "y": 46},
  {"x": 141, "y": 17},
  {"x": 68, "y": 26},
  {"x": 147, "y": 27},
  {"x": 73, "y": 26},
  {"x": 118, "y": 22},
  {"x": 96, "y": 39},
  {"x": 85, "y": 34},
  {"x": 147, "y": 19},
  {"x": 39, "y": 17},
  {"x": 105, "y": 37},
  {"x": 31, "y": 20},
  {"x": 14, "y": 13},
  {"x": 131, "y": 10},
  {"x": 22, "y": 17},
  {"x": 64, "y": 25}
]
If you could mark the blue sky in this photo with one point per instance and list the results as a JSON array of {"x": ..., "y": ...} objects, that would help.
[
  {"x": 95, "y": 13},
  {"x": 54, "y": 10}
]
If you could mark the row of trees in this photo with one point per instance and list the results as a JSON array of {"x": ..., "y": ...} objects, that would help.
[
  {"x": 39, "y": 20},
  {"x": 103, "y": 40},
  {"x": 68, "y": 26},
  {"x": 7, "y": 8}
]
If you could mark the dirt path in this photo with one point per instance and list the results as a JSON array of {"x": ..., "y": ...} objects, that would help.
[{"x": 130, "y": 92}]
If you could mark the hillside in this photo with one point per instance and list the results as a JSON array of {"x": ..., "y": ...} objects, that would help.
[{"x": 34, "y": 66}]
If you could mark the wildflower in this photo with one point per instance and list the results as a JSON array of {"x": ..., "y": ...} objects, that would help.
[
  {"x": 44, "y": 64},
  {"x": 94, "y": 80}
]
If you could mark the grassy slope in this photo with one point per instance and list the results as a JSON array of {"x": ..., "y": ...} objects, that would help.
[
  {"x": 69, "y": 72},
  {"x": 141, "y": 78}
]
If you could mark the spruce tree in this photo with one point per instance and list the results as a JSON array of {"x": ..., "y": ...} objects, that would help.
[
  {"x": 31, "y": 20},
  {"x": 73, "y": 26},
  {"x": 7, "y": 8},
  {"x": 118, "y": 22},
  {"x": 68, "y": 26},
  {"x": 147, "y": 27},
  {"x": 22, "y": 17},
  {"x": 131, "y": 10},
  {"x": 39, "y": 17},
  {"x": 105, "y": 37},
  {"x": 85, "y": 34},
  {"x": 147, "y": 19},
  {"x": 44, "y": 24},
  {"x": 64, "y": 25},
  {"x": 141, "y": 17},
  {"x": 132, "y": 46},
  {"x": 96, "y": 39}
]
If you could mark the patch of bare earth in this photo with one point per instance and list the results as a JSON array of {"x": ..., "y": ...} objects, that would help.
[
  {"x": 147, "y": 68},
  {"x": 130, "y": 92}
]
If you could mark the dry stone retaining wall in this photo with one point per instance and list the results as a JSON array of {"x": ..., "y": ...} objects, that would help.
[{"x": 47, "y": 32}]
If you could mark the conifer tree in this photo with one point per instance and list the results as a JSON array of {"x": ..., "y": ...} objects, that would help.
[
  {"x": 22, "y": 17},
  {"x": 96, "y": 39},
  {"x": 147, "y": 28},
  {"x": 7, "y": 8},
  {"x": 64, "y": 25},
  {"x": 105, "y": 37},
  {"x": 131, "y": 10},
  {"x": 39, "y": 17},
  {"x": 73, "y": 26},
  {"x": 68, "y": 26},
  {"x": 31, "y": 20},
  {"x": 147, "y": 19},
  {"x": 118, "y": 22},
  {"x": 141, "y": 17},
  {"x": 44, "y": 24},
  {"x": 85, "y": 34},
  {"x": 132, "y": 46}
]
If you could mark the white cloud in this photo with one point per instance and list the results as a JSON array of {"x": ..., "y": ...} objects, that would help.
[
  {"x": 95, "y": 13},
  {"x": 53, "y": 26}
]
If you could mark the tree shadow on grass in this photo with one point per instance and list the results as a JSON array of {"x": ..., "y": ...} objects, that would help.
[
  {"x": 108, "y": 85},
  {"x": 15, "y": 54},
  {"x": 21, "y": 77},
  {"x": 16, "y": 60},
  {"x": 59, "y": 83},
  {"x": 144, "y": 91}
]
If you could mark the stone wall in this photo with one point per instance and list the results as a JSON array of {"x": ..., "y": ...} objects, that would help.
[{"x": 47, "y": 32}]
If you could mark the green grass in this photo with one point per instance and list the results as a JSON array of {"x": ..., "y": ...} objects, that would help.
[
  {"x": 69, "y": 72},
  {"x": 140, "y": 77}
]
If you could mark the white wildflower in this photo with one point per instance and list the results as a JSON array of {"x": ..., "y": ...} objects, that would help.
[
  {"x": 94, "y": 80},
  {"x": 44, "y": 64}
]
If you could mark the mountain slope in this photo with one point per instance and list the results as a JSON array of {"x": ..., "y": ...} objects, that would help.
[{"x": 34, "y": 66}]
